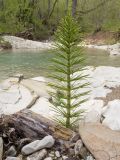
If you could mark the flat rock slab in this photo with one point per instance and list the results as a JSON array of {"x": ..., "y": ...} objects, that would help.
[
  {"x": 14, "y": 97},
  {"x": 102, "y": 142},
  {"x": 40, "y": 88}
]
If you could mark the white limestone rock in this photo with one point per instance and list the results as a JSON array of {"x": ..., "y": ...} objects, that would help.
[
  {"x": 112, "y": 49},
  {"x": 112, "y": 115},
  {"x": 43, "y": 107},
  {"x": 39, "y": 79},
  {"x": 14, "y": 98},
  {"x": 20, "y": 43},
  {"x": 109, "y": 75},
  {"x": 40, "y": 88},
  {"x": 92, "y": 116}
]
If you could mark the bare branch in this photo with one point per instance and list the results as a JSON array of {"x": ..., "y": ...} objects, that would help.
[
  {"x": 53, "y": 8},
  {"x": 93, "y": 9}
]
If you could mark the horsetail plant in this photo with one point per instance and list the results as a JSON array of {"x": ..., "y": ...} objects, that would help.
[{"x": 67, "y": 74}]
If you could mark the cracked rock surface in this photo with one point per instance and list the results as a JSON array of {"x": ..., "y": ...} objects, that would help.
[{"x": 13, "y": 97}]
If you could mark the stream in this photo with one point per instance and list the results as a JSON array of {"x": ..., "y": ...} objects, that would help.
[{"x": 34, "y": 63}]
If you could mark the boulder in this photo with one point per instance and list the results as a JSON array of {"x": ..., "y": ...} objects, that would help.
[
  {"x": 93, "y": 110},
  {"x": 37, "y": 145},
  {"x": 112, "y": 115},
  {"x": 102, "y": 142},
  {"x": 1, "y": 148}
]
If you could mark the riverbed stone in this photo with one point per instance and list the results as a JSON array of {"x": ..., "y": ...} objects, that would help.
[
  {"x": 83, "y": 153},
  {"x": 57, "y": 154},
  {"x": 38, "y": 155},
  {"x": 102, "y": 142},
  {"x": 48, "y": 158},
  {"x": 78, "y": 146},
  {"x": 89, "y": 158},
  {"x": 46, "y": 142},
  {"x": 11, "y": 152},
  {"x": 1, "y": 148},
  {"x": 112, "y": 115},
  {"x": 13, "y": 158}
]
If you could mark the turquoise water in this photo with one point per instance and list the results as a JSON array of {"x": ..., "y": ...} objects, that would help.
[{"x": 34, "y": 63}]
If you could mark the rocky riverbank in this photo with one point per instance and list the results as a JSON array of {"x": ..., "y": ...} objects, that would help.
[
  {"x": 99, "y": 129},
  {"x": 112, "y": 49},
  {"x": 4, "y": 44},
  {"x": 20, "y": 43}
]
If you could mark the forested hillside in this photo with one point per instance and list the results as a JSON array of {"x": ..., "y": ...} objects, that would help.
[{"x": 38, "y": 19}]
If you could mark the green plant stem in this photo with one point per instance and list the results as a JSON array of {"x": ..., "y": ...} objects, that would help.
[{"x": 68, "y": 93}]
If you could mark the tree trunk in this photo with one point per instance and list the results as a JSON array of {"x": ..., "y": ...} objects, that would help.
[
  {"x": 49, "y": 6},
  {"x": 66, "y": 6},
  {"x": 74, "y": 6},
  {"x": 35, "y": 126}
]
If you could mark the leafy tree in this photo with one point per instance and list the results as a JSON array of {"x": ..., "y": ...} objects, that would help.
[{"x": 67, "y": 74}]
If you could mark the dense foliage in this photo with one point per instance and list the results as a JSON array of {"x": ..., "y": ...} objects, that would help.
[
  {"x": 68, "y": 79},
  {"x": 40, "y": 17}
]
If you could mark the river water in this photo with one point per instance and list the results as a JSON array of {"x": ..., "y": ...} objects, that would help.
[{"x": 34, "y": 63}]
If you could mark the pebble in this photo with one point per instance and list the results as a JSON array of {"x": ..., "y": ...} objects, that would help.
[
  {"x": 46, "y": 142},
  {"x": 11, "y": 152},
  {"x": 83, "y": 153},
  {"x": 48, "y": 158},
  {"x": 90, "y": 158},
  {"x": 64, "y": 157},
  {"x": 57, "y": 154},
  {"x": 75, "y": 138},
  {"x": 38, "y": 155},
  {"x": 78, "y": 146},
  {"x": 24, "y": 142},
  {"x": 72, "y": 158},
  {"x": 72, "y": 152},
  {"x": 12, "y": 158},
  {"x": 52, "y": 154}
]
